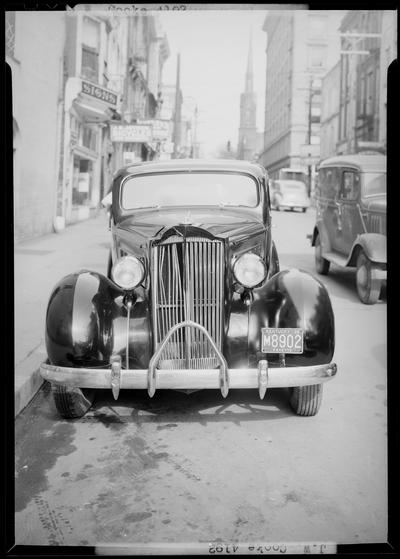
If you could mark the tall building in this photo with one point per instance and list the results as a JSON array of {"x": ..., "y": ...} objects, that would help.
[
  {"x": 330, "y": 94},
  {"x": 77, "y": 76},
  {"x": 368, "y": 47},
  {"x": 302, "y": 45},
  {"x": 92, "y": 99},
  {"x": 248, "y": 137},
  {"x": 34, "y": 52}
]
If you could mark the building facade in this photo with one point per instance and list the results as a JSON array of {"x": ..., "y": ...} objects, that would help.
[
  {"x": 95, "y": 61},
  {"x": 368, "y": 46},
  {"x": 37, "y": 92},
  {"x": 77, "y": 75},
  {"x": 302, "y": 46},
  {"x": 330, "y": 112}
]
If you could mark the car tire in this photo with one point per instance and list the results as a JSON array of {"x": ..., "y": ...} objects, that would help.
[
  {"x": 368, "y": 283},
  {"x": 72, "y": 402},
  {"x": 306, "y": 400},
  {"x": 321, "y": 264},
  {"x": 304, "y": 210}
]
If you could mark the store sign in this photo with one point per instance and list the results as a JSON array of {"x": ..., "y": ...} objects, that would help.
[
  {"x": 130, "y": 133},
  {"x": 99, "y": 93},
  {"x": 161, "y": 128}
]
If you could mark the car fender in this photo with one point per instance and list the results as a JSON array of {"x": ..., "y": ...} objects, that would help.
[
  {"x": 374, "y": 246},
  {"x": 86, "y": 323},
  {"x": 321, "y": 230},
  {"x": 289, "y": 299}
]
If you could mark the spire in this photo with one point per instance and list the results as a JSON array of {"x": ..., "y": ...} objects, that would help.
[{"x": 249, "y": 71}]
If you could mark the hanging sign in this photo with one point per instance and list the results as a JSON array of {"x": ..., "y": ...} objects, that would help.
[
  {"x": 99, "y": 92},
  {"x": 130, "y": 133}
]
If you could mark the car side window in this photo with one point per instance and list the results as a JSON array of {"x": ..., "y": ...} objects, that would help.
[
  {"x": 329, "y": 182},
  {"x": 350, "y": 185}
]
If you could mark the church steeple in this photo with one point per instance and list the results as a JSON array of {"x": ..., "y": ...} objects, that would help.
[
  {"x": 248, "y": 139},
  {"x": 249, "y": 71}
]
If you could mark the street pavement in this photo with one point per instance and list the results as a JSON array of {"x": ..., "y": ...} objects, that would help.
[{"x": 38, "y": 266}]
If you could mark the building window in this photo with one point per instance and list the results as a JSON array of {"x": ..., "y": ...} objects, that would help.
[
  {"x": 10, "y": 33},
  {"x": 90, "y": 64},
  {"x": 90, "y": 50}
]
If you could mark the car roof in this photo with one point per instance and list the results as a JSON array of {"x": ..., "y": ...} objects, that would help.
[
  {"x": 171, "y": 165},
  {"x": 290, "y": 182},
  {"x": 363, "y": 162}
]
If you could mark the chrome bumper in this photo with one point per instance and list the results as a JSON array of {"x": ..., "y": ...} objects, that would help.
[{"x": 117, "y": 378}]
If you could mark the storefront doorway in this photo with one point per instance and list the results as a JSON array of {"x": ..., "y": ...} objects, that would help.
[{"x": 82, "y": 184}]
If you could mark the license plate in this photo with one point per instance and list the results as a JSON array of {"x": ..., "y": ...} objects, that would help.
[{"x": 282, "y": 340}]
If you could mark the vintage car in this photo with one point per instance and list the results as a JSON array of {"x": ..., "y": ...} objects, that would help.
[
  {"x": 193, "y": 298},
  {"x": 289, "y": 195},
  {"x": 350, "y": 227}
]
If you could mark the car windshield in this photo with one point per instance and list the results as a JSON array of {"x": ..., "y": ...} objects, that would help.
[
  {"x": 292, "y": 175},
  {"x": 189, "y": 189},
  {"x": 374, "y": 183}
]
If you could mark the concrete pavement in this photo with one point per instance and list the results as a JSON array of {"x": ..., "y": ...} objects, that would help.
[{"x": 38, "y": 265}]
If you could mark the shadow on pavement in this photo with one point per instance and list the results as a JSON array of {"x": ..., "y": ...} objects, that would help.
[{"x": 169, "y": 406}]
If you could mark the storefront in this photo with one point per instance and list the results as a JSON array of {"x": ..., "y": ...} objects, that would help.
[
  {"x": 88, "y": 152},
  {"x": 135, "y": 142}
]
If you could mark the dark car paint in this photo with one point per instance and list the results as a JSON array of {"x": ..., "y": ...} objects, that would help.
[
  {"x": 87, "y": 317},
  {"x": 87, "y": 336}
]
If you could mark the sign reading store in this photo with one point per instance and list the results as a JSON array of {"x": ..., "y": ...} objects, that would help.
[{"x": 99, "y": 93}]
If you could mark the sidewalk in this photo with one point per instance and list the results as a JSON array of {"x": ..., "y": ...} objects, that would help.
[{"x": 38, "y": 265}]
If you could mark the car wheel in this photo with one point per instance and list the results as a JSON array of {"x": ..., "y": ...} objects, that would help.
[
  {"x": 72, "y": 402},
  {"x": 304, "y": 210},
  {"x": 306, "y": 400},
  {"x": 368, "y": 283},
  {"x": 321, "y": 263}
]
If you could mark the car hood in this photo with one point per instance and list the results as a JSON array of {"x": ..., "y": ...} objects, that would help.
[
  {"x": 233, "y": 224},
  {"x": 376, "y": 203}
]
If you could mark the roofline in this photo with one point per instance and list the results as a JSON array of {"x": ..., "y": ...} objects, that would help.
[{"x": 357, "y": 160}]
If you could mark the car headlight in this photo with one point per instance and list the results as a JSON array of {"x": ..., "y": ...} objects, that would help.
[
  {"x": 128, "y": 272},
  {"x": 249, "y": 270}
]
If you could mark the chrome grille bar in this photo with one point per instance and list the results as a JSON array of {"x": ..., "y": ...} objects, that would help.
[{"x": 188, "y": 280}]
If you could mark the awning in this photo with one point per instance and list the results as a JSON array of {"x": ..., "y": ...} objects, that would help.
[{"x": 93, "y": 111}]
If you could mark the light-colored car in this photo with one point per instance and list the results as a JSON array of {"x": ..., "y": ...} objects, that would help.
[{"x": 289, "y": 194}]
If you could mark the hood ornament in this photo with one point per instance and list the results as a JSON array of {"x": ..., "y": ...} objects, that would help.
[{"x": 188, "y": 220}]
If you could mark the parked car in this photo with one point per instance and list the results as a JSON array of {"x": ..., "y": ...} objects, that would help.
[
  {"x": 193, "y": 297},
  {"x": 350, "y": 228},
  {"x": 289, "y": 194}
]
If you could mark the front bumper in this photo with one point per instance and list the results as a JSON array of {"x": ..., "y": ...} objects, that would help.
[{"x": 117, "y": 378}]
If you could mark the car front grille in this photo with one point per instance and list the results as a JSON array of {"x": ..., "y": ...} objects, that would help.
[
  {"x": 188, "y": 284},
  {"x": 377, "y": 224}
]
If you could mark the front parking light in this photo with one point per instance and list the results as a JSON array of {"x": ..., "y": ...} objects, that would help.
[{"x": 128, "y": 272}]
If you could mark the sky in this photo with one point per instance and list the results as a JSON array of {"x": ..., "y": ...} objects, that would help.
[{"x": 213, "y": 47}]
